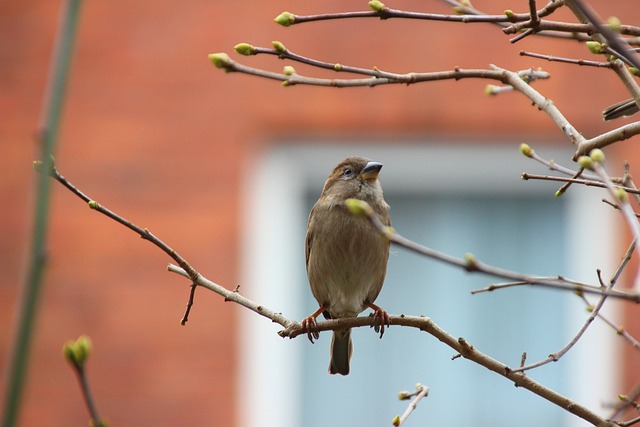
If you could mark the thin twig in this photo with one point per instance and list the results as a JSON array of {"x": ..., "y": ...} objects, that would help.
[
  {"x": 552, "y": 164},
  {"x": 472, "y": 265},
  {"x": 554, "y": 357},
  {"x": 617, "y": 207},
  {"x": 529, "y": 75},
  {"x": 626, "y": 401},
  {"x": 88, "y": 397},
  {"x": 625, "y": 208},
  {"x": 236, "y": 297},
  {"x": 144, "y": 233},
  {"x": 620, "y": 195},
  {"x": 377, "y": 78},
  {"x": 620, "y": 330},
  {"x": 585, "y": 14},
  {"x": 511, "y": 78},
  {"x": 563, "y": 189},
  {"x": 421, "y": 392},
  {"x": 587, "y": 182},
  {"x": 550, "y": 58}
]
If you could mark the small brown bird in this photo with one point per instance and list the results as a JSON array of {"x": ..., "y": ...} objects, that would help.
[{"x": 346, "y": 257}]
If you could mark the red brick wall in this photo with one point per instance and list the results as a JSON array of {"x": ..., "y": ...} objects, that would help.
[{"x": 152, "y": 130}]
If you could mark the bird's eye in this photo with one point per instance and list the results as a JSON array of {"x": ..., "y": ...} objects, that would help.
[{"x": 347, "y": 172}]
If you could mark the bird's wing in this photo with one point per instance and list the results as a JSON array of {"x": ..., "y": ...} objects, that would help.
[{"x": 308, "y": 239}]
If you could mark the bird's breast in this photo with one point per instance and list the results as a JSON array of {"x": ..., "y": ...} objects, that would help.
[{"x": 347, "y": 262}]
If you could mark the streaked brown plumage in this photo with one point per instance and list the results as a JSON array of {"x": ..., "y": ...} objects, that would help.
[{"x": 346, "y": 257}]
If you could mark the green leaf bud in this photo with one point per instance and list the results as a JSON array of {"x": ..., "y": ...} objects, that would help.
[
  {"x": 358, "y": 207},
  {"x": 526, "y": 150},
  {"x": 614, "y": 23},
  {"x": 69, "y": 353},
  {"x": 403, "y": 395},
  {"x": 244, "y": 49},
  {"x": 376, "y": 5},
  {"x": 278, "y": 46},
  {"x": 285, "y": 19},
  {"x": 597, "y": 155},
  {"x": 470, "y": 260},
  {"x": 622, "y": 195},
  {"x": 595, "y": 47},
  {"x": 83, "y": 348},
  {"x": 220, "y": 60},
  {"x": 585, "y": 162}
]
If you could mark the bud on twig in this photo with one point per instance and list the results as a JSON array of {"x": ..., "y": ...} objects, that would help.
[
  {"x": 595, "y": 47},
  {"x": 278, "y": 46},
  {"x": 220, "y": 60},
  {"x": 285, "y": 19},
  {"x": 244, "y": 49},
  {"x": 526, "y": 150},
  {"x": 376, "y": 5}
]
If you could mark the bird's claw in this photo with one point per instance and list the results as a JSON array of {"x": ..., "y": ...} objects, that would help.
[
  {"x": 309, "y": 326},
  {"x": 380, "y": 319}
]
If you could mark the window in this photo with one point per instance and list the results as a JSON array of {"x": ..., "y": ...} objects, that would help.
[{"x": 454, "y": 198}]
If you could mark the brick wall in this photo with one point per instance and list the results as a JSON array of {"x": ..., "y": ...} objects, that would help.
[{"x": 152, "y": 130}]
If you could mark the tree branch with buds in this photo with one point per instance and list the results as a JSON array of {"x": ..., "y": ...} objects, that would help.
[{"x": 292, "y": 328}]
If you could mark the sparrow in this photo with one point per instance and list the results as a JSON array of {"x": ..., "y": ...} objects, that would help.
[{"x": 346, "y": 257}]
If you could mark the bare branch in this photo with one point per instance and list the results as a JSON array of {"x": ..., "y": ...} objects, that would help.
[
  {"x": 583, "y": 62},
  {"x": 421, "y": 392},
  {"x": 620, "y": 134},
  {"x": 293, "y": 328},
  {"x": 606, "y": 35},
  {"x": 595, "y": 311},
  {"x": 589, "y": 183},
  {"x": 471, "y": 264}
]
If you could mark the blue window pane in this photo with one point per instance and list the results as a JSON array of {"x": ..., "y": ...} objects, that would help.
[{"x": 523, "y": 234}]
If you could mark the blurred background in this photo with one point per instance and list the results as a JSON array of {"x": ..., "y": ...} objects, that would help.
[{"x": 225, "y": 167}]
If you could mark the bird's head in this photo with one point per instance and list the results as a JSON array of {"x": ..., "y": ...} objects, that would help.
[{"x": 354, "y": 177}]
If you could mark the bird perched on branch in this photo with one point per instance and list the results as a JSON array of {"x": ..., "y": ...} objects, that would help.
[{"x": 346, "y": 257}]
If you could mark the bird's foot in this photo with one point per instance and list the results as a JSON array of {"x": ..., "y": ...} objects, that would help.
[
  {"x": 309, "y": 325},
  {"x": 380, "y": 318}
]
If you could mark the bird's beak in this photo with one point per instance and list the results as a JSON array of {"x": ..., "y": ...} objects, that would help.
[{"x": 371, "y": 171}]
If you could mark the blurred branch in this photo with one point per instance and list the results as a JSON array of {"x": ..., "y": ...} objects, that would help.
[
  {"x": 420, "y": 393},
  {"x": 604, "y": 33},
  {"x": 77, "y": 353},
  {"x": 18, "y": 352}
]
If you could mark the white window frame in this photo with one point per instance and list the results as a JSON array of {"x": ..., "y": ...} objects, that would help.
[{"x": 268, "y": 388}]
